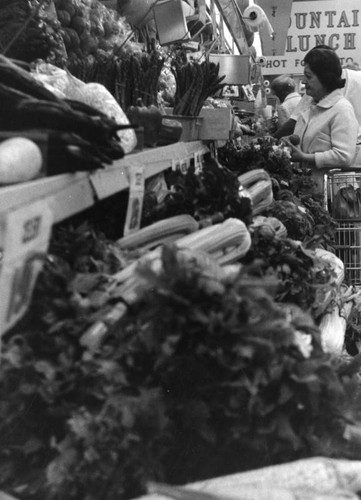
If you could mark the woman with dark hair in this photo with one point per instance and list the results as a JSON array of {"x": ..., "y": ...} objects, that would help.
[{"x": 328, "y": 128}]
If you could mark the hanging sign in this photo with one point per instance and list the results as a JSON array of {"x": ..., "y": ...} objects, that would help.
[
  {"x": 314, "y": 22},
  {"x": 24, "y": 239}
]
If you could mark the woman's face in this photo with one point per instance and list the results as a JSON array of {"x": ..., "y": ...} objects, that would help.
[{"x": 313, "y": 86}]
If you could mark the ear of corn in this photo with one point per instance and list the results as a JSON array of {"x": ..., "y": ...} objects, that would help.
[{"x": 161, "y": 232}]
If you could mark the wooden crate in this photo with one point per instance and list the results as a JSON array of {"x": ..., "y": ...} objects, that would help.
[
  {"x": 192, "y": 126},
  {"x": 216, "y": 124},
  {"x": 212, "y": 124}
]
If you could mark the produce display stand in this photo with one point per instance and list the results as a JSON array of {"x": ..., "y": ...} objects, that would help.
[
  {"x": 29, "y": 210},
  {"x": 68, "y": 194}
]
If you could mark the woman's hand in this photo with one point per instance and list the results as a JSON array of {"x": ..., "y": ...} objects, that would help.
[
  {"x": 295, "y": 152},
  {"x": 297, "y": 155}
]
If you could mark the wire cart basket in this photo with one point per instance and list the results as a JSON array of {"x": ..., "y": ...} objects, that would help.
[{"x": 342, "y": 198}]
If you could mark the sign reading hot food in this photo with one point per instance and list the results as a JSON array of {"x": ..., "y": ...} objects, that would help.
[{"x": 332, "y": 22}]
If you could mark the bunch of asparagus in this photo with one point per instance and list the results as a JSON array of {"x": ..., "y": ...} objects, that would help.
[{"x": 195, "y": 82}]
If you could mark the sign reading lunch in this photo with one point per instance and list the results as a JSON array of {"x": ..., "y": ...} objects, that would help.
[{"x": 336, "y": 23}]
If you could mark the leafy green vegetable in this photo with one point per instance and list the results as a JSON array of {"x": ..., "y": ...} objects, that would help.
[
  {"x": 192, "y": 383},
  {"x": 211, "y": 192},
  {"x": 264, "y": 152}
]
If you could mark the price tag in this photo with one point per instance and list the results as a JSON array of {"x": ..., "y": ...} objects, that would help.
[
  {"x": 183, "y": 166},
  {"x": 180, "y": 165},
  {"x": 175, "y": 165},
  {"x": 197, "y": 163},
  {"x": 24, "y": 240},
  {"x": 158, "y": 186},
  {"x": 136, "y": 197}
]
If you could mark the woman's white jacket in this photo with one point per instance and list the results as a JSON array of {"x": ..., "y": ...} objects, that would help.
[{"x": 329, "y": 130}]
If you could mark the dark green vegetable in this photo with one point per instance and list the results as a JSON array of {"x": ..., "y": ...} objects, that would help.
[
  {"x": 195, "y": 382},
  {"x": 194, "y": 83}
]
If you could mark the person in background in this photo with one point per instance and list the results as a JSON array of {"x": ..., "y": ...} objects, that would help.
[
  {"x": 327, "y": 127},
  {"x": 284, "y": 88}
]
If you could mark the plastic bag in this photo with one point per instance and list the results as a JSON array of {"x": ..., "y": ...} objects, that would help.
[
  {"x": 93, "y": 94},
  {"x": 347, "y": 203}
]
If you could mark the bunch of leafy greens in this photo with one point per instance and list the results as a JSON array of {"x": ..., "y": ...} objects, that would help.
[
  {"x": 325, "y": 227},
  {"x": 213, "y": 191},
  {"x": 273, "y": 156},
  {"x": 264, "y": 152},
  {"x": 296, "y": 220},
  {"x": 305, "y": 219},
  {"x": 193, "y": 383},
  {"x": 302, "y": 279}
]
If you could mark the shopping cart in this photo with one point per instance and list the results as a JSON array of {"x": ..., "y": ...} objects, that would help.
[{"x": 342, "y": 198}]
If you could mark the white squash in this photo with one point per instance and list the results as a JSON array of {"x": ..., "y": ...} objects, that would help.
[
  {"x": 20, "y": 160},
  {"x": 333, "y": 326}
]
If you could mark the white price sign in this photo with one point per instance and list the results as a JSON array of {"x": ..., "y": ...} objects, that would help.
[
  {"x": 24, "y": 240},
  {"x": 136, "y": 197}
]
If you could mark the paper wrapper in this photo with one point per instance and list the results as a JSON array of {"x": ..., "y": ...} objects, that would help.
[{"x": 316, "y": 478}]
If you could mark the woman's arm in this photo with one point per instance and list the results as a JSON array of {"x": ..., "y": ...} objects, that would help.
[
  {"x": 298, "y": 155},
  {"x": 340, "y": 145}
]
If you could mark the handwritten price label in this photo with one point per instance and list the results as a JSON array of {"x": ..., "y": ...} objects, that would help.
[
  {"x": 24, "y": 239},
  {"x": 136, "y": 197}
]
